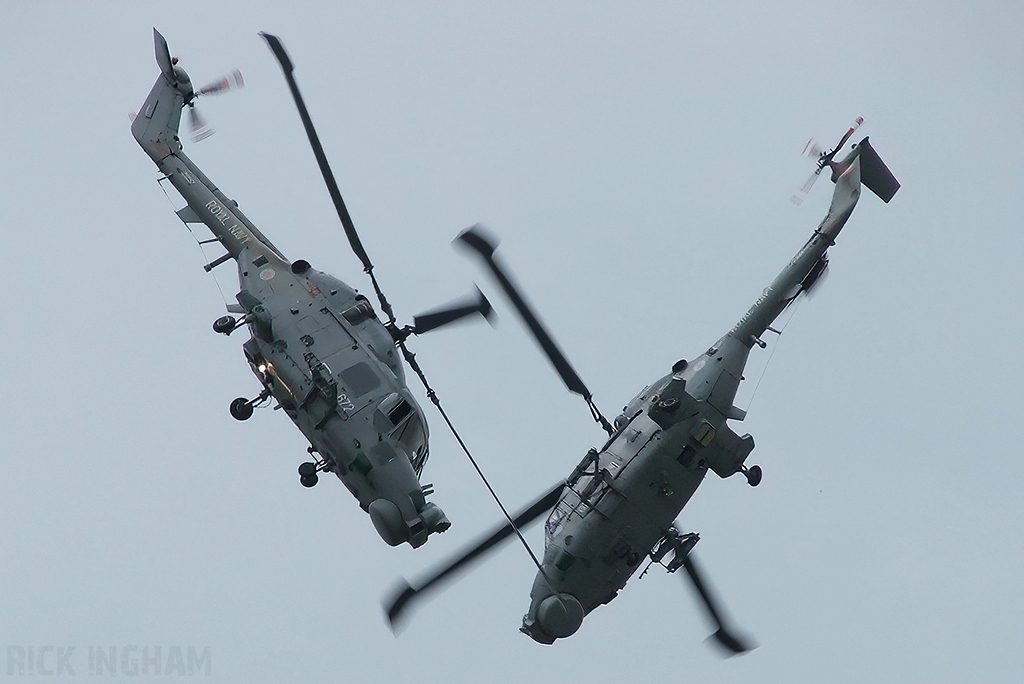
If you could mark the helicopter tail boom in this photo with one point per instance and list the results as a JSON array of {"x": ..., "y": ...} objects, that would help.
[
  {"x": 862, "y": 166},
  {"x": 155, "y": 128}
]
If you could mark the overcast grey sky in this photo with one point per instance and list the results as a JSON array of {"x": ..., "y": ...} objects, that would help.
[{"x": 637, "y": 160}]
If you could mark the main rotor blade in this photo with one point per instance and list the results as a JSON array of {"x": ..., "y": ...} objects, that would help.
[
  {"x": 723, "y": 634},
  {"x": 321, "y": 159},
  {"x": 399, "y": 603},
  {"x": 476, "y": 239},
  {"x": 435, "y": 319}
]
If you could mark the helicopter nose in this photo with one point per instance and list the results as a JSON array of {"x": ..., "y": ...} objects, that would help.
[
  {"x": 560, "y": 615},
  {"x": 387, "y": 519}
]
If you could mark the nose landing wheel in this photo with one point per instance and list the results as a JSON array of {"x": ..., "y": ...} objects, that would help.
[{"x": 753, "y": 474}]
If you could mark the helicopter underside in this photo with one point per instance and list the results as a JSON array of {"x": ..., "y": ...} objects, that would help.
[{"x": 596, "y": 537}]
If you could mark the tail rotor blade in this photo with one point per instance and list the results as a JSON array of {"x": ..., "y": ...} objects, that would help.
[
  {"x": 809, "y": 183},
  {"x": 812, "y": 149},
  {"x": 232, "y": 81},
  {"x": 405, "y": 593},
  {"x": 798, "y": 198},
  {"x": 200, "y": 129},
  {"x": 725, "y": 636},
  {"x": 856, "y": 124}
]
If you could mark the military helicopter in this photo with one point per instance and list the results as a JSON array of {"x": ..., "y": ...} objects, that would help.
[
  {"x": 619, "y": 504},
  {"x": 316, "y": 345}
]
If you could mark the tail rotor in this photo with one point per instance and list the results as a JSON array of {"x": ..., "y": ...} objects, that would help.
[
  {"x": 199, "y": 128},
  {"x": 824, "y": 158}
]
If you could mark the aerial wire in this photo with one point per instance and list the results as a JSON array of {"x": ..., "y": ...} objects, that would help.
[
  {"x": 357, "y": 247},
  {"x": 432, "y": 395},
  {"x": 199, "y": 243},
  {"x": 775, "y": 348}
]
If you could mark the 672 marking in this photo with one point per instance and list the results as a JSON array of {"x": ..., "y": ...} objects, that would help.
[{"x": 345, "y": 403}]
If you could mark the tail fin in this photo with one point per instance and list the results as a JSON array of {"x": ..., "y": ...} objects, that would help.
[
  {"x": 156, "y": 125},
  {"x": 875, "y": 175}
]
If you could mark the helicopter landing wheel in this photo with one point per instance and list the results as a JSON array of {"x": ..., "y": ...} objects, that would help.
[
  {"x": 753, "y": 474},
  {"x": 224, "y": 325},
  {"x": 307, "y": 474},
  {"x": 241, "y": 409}
]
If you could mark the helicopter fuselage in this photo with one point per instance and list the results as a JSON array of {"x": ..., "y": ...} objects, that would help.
[
  {"x": 619, "y": 504},
  {"x": 315, "y": 344}
]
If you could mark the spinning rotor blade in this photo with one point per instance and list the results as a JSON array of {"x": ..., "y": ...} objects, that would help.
[
  {"x": 812, "y": 149},
  {"x": 856, "y": 124},
  {"x": 809, "y": 183},
  {"x": 726, "y": 637},
  {"x": 476, "y": 239},
  {"x": 321, "y": 159},
  {"x": 453, "y": 312},
  {"x": 405, "y": 593},
  {"x": 481, "y": 243},
  {"x": 200, "y": 129},
  {"x": 233, "y": 81}
]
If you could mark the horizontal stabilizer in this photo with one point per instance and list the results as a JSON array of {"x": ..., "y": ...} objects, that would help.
[
  {"x": 188, "y": 215},
  {"x": 730, "y": 452},
  {"x": 874, "y": 173}
]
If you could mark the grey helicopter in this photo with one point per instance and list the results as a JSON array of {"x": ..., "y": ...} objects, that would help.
[
  {"x": 619, "y": 505},
  {"x": 315, "y": 344}
]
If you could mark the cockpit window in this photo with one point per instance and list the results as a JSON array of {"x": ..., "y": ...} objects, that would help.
[
  {"x": 399, "y": 411},
  {"x": 400, "y": 420},
  {"x": 411, "y": 434}
]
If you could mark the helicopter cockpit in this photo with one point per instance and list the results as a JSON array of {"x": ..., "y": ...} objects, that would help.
[{"x": 401, "y": 420}]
